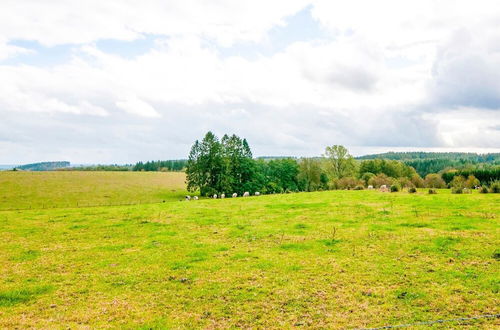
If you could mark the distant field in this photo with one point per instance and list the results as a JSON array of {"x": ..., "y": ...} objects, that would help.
[
  {"x": 21, "y": 190},
  {"x": 336, "y": 259}
]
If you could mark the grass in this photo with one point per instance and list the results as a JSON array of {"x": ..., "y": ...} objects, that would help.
[
  {"x": 336, "y": 259},
  {"x": 25, "y": 190}
]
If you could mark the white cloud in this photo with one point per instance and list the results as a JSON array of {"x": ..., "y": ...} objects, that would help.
[
  {"x": 136, "y": 106},
  {"x": 53, "y": 22},
  {"x": 387, "y": 73}
]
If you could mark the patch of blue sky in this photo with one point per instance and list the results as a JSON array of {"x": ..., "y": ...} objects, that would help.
[
  {"x": 400, "y": 62},
  {"x": 128, "y": 49},
  {"x": 44, "y": 56},
  {"x": 39, "y": 55},
  {"x": 300, "y": 27}
]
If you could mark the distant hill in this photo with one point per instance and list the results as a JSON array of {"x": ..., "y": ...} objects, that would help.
[
  {"x": 433, "y": 162},
  {"x": 44, "y": 166},
  {"x": 414, "y": 155}
]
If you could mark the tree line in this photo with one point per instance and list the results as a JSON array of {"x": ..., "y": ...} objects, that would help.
[
  {"x": 434, "y": 162},
  {"x": 161, "y": 165},
  {"x": 226, "y": 166}
]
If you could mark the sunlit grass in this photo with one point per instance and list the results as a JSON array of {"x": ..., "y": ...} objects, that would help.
[
  {"x": 25, "y": 190},
  {"x": 336, "y": 259}
]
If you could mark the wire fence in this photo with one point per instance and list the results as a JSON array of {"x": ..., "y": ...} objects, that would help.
[{"x": 459, "y": 319}]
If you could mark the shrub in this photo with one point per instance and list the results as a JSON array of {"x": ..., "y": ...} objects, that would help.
[
  {"x": 458, "y": 182},
  {"x": 434, "y": 181},
  {"x": 404, "y": 183},
  {"x": 472, "y": 182},
  {"x": 495, "y": 187},
  {"x": 359, "y": 187},
  {"x": 417, "y": 181},
  {"x": 412, "y": 190},
  {"x": 379, "y": 180},
  {"x": 367, "y": 176},
  {"x": 348, "y": 183},
  {"x": 483, "y": 190},
  {"x": 432, "y": 191},
  {"x": 457, "y": 190},
  {"x": 395, "y": 188}
]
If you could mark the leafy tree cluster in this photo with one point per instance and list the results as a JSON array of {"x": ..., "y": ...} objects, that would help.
[
  {"x": 161, "y": 165},
  {"x": 224, "y": 166},
  {"x": 391, "y": 168}
]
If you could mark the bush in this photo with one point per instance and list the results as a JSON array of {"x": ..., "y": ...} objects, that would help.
[
  {"x": 457, "y": 190},
  {"x": 483, "y": 190},
  {"x": 358, "y": 187},
  {"x": 472, "y": 182},
  {"x": 412, "y": 190},
  {"x": 495, "y": 187},
  {"x": 380, "y": 180},
  {"x": 434, "y": 181},
  {"x": 404, "y": 183},
  {"x": 432, "y": 191},
  {"x": 417, "y": 181},
  {"x": 395, "y": 188},
  {"x": 457, "y": 183},
  {"x": 366, "y": 177},
  {"x": 348, "y": 183}
]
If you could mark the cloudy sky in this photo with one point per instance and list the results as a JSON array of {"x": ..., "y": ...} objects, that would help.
[{"x": 120, "y": 81}]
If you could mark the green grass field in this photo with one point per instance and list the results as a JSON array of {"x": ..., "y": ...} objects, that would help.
[
  {"x": 24, "y": 190},
  {"x": 336, "y": 259}
]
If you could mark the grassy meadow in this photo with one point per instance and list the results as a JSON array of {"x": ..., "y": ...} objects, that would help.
[
  {"x": 335, "y": 259},
  {"x": 24, "y": 190}
]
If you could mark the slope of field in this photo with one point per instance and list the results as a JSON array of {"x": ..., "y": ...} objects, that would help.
[
  {"x": 24, "y": 190},
  {"x": 339, "y": 259}
]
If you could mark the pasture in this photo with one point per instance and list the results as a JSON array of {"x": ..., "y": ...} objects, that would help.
[
  {"x": 24, "y": 190},
  {"x": 334, "y": 259}
]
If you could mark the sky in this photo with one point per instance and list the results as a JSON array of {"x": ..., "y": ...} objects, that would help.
[{"x": 119, "y": 81}]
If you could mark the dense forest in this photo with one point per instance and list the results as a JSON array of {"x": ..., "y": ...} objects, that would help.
[{"x": 434, "y": 162}]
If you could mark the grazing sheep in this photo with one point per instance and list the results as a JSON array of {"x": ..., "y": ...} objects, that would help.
[
  {"x": 188, "y": 198},
  {"x": 215, "y": 196},
  {"x": 383, "y": 188},
  {"x": 246, "y": 194},
  {"x": 195, "y": 198},
  {"x": 257, "y": 193},
  {"x": 235, "y": 195},
  {"x": 222, "y": 195},
  {"x": 370, "y": 187}
]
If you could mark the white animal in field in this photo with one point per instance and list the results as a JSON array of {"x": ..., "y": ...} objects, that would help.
[
  {"x": 257, "y": 193},
  {"x": 246, "y": 194},
  {"x": 235, "y": 195},
  {"x": 188, "y": 198},
  {"x": 383, "y": 188},
  {"x": 222, "y": 196},
  {"x": 370, "y": 187},
  {"x": 195, "y": 198},
  {"x": 215, "y": 196}
]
